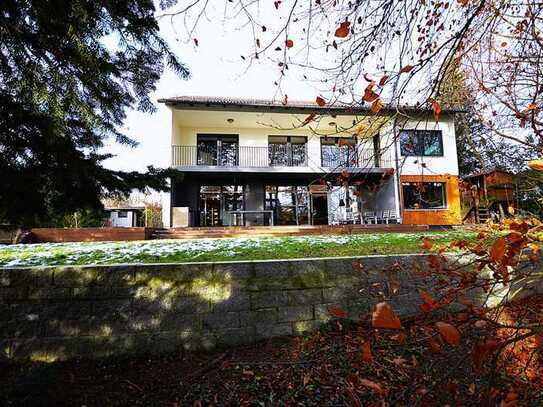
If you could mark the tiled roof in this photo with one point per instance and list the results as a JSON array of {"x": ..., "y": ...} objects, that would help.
[{"x": 234, "y": 103}]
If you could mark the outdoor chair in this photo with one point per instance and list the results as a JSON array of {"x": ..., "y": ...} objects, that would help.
[
  {"x": 389, "y": 216},
  {"x": 370, "y": 217}
]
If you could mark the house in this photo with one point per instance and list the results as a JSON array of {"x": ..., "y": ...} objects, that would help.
[
  {"x": 124, "y": 216},
  {"x": 491, "y": 191},
  {"x": 258, "y": 162}
]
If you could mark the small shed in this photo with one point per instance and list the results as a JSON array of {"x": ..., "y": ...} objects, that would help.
[
  {"x": 126, "y": 216},
  {"x": 488, "y": 192}
]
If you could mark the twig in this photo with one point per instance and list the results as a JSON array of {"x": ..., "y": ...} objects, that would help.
[
  {"x": 135, "y": 386},
  {"x": 208, "y": 366}
]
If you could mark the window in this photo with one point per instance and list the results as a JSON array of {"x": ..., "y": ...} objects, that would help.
[
  {"x": 338, "y": 152},
  {"x": 221, "y": 150},
  {"x": 288, "y": 151},
  {"x": 289, "y": 203},
  {"x": 122, "y": 214},
  {"x": 424, "y": 195},
  {"x": 421, "y": 143},
  {"x": 216, "y": 200}
]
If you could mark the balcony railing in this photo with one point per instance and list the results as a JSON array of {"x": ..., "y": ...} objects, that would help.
[
  {"x": 275, "y": 155},
  {"x": 278, "y": 155}
]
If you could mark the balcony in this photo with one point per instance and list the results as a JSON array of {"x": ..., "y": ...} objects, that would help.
[{"x": 277, "y": 156}]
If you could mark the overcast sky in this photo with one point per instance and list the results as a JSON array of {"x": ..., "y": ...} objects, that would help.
[{"x": 216, "y": 70}]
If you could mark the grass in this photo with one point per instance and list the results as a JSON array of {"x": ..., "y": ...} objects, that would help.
[{"x": 193, "y": 250}]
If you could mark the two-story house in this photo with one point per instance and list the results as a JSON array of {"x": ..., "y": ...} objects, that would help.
[{"x": 257, "y": 162}]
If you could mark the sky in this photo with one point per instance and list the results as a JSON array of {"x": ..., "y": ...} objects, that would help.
[{"x": 217, "y": 69}]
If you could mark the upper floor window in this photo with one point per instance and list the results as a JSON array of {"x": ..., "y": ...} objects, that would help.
[
  {"x": 217, "y": 149},
  {"x": 338, "y": 152},
  {"x": 421, "y": 143},
  {"x": 424, "y": 195},
  {"x": 287, "y": 151}
]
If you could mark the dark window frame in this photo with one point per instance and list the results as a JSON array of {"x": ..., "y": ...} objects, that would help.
[
  {"x": 420, "y": 147},
  {"x": 290, "y": 152},
  {"x": 218, "y": 139},
  {"x": 444, "y": 197},
  {"x": 352, "y": 151}
]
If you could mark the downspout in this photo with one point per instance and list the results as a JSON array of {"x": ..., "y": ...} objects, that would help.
[{"x": 397, "y": 170}]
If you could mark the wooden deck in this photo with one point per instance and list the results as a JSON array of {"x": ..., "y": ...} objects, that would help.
[
  {"x": 59, "y": 235},
  {"x": 249, "y": 231}
]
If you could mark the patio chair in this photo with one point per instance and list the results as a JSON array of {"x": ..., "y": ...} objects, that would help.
[
  {"x": 390, "y": 216},
  {"x": 370, "y": 217}
]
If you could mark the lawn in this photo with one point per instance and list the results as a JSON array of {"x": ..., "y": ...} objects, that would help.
[{"x": 166, "y": 251}]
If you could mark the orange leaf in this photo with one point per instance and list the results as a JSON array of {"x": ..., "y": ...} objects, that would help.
[
  {"x": 377, "y": 106},
  {"x": 289, "y": 43},
  {"x": 309, "y": 119},
  {"x": 406, "y": 69},
  {"x": 497, "y": 251},
  {"x": 343, "y": 30},
  {"x": 366, "y": 352},
  {"x": 384, "y": 317},
  {"x": 383, "y": 80},
  {"x": 338, "y": 312},
  {"x": 320, "y": 101},
  {"x": 436, "y": 107},
  {"x": 369, "y": 94},
  {"x": 429, "y": 302},
  {"x": 536, "y": 165},
  {"x": 372, "y": 385},
  {"x": 427, "y": 243},
  {"x": 449, "y": 333}
]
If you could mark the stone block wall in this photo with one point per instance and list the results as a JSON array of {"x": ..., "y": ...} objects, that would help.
[{"x": 55, "y": 313}]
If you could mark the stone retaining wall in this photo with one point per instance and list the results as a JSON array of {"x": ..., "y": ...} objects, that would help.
[{"x": 54, "y": 313}]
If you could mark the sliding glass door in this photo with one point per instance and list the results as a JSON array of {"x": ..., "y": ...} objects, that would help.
[
  {"x": 216, "y": 204},
  {"x": 289, "y": 203},
  {"x": 218, "y": 150}
]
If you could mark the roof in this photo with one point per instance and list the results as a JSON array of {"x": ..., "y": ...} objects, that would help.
[
  {"x": 241, "y": 104},
  {"x": 125, "y": 208},
  {"x": 487, "y": 172}
]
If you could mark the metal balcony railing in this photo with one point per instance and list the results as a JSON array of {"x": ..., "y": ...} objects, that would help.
[
  {"x": 278, "y": 155},
  {"x": 274, "y": 155}
]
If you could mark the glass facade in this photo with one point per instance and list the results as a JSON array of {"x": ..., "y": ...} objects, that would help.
[
  {"x": 215, "y": 202},
  {"x": 289, "y": 203}
]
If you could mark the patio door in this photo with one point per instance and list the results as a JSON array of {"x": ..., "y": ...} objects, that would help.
[
  {"x": 210, "y": 206},
  {"x": 319, "y": 209},
  {"x": 217, "y": 150},
  {"x": 289, "y": 203},
  {"x": 218, "y": 203}
]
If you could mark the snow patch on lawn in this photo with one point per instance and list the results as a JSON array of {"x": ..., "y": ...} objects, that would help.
[{"x": 156, "y": 250}]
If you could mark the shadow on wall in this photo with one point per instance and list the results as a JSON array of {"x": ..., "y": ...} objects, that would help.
[{"x": 57, "y": 313}]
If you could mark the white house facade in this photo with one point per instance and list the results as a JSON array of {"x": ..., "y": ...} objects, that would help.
[{"x": 256, "y": 162}]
